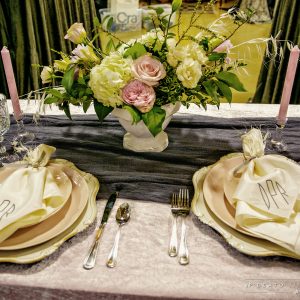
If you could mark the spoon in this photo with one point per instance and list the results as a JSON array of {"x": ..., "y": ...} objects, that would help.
[{"x": 122, "y": 216}]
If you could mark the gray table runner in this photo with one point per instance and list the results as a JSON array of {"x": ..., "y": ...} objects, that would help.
[{"x": 194, "y": 141}]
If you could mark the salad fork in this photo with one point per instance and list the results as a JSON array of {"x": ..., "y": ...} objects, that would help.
[
  {"x": 173, "y": 240},
  {"x": 183, "y": 211}
]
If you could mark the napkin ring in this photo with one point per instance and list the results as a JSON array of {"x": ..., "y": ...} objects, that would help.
[
  {"x": 237, "y": 169},
  {"x": 36, "y": 164}
]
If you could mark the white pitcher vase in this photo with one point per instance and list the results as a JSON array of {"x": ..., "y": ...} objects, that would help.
[{"x": 138, "y": 138}]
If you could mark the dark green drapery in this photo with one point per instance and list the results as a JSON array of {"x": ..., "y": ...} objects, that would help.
[
  {"x": 270, "y": 82},
  {"x": 31, "y": 28}
]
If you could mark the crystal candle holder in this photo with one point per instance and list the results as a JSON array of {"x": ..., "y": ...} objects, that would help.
[{"x": 277, "y": 140}]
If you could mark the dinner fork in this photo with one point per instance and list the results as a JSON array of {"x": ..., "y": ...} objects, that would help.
[
  {"x": 173, "y": 240},
  {"x": 183, "y": 211}
]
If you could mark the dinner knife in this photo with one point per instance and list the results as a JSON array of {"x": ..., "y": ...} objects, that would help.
[{"x": 90, "y": 259}]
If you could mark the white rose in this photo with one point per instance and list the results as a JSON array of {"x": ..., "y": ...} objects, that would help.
[
  {"x": 171, "y": 58},
  {"x": 194, "y": 51},
  {"x": 189, "y": 73},
  {"x": 180, "y": 53},
  {"x": 175, "y": 54}
]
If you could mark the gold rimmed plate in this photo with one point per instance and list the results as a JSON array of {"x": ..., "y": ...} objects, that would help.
[
  {"x": 57, "y": 223},
  {"x": 87, "y": 217}
]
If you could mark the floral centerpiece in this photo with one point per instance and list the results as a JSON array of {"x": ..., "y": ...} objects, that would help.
[{"x": 165, "y": 66}]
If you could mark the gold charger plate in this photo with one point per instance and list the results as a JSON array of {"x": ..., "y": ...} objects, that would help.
[
  {"x": 87, "y": 217},
  {"x": 242, "y": 242},
  {"x": 57, "y": 223},
  {"x": 213, "y": 189}
]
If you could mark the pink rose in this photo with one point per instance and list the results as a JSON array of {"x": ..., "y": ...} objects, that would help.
[
  {"x": 148, "y": 70},
  {"x": 139, "y": 94},
  {"x": 224, "y": 47}
]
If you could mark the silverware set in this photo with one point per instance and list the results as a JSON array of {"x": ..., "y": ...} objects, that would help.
[
  {"x": 122, "y": 216},
  {"x": 180, "y": 207}
]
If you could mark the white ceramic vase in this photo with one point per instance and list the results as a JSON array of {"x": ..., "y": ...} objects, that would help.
[{"x": 138, "y": 138}]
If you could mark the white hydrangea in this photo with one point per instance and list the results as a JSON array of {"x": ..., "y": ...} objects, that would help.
[{"x": 107, "y": 79}]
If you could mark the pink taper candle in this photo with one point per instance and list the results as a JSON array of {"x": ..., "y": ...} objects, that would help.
[
  {"x": 288, "y": 85},
  {"x": 11, "y": 82}
]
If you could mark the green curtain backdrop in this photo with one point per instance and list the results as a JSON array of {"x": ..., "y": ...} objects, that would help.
[
  {"x": 31, "y": 28},
  {"x": 270, "y": 82}
]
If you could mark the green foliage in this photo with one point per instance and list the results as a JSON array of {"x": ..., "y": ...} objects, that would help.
[
  {"x": 154, "y": 119},
  {"x": 50, "y": 100},
  {"x": 224, "y": 90},
  {"x": 176, "y": 5},
  {"x": 135, "y": 51},
  {"x": 211, "y": 90},
  {"x": 66, "y": 108},
  {"x": 159, "y": 10},
  {"x": 86, "y": 104},
  {"x": 110, "y": 46},
  {"x": 215, "y": 56},
  {"x": 232, "y": 80},
  {"x": 68, "y": 78},
  {"x": 135, "y": 114},
  {"x": 101, "y": 110}
]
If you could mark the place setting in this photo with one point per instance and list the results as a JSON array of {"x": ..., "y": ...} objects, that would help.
[
  {"x": 251, "y": 199},
  {"x": 44, "y": 202}
]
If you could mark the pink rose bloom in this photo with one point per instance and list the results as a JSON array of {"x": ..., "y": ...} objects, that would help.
[
  {"x": 224, "y": 47},
  {"x": 148, "y": 70},
  {"x": 139, "y": 94}
]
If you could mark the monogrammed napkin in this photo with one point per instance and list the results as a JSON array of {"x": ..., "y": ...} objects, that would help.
[
  {"x": 31, "y": 192},
  {"x": 267, "y": 195}
]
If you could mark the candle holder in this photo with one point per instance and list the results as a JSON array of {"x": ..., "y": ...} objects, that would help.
[
  {"x": 23, "y": 136},
  {"x": 277, "y": 141},
  {"x": 5, "y": 157}
]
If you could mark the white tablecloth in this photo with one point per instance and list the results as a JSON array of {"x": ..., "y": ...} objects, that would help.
[{"x": 216, "y": 270}]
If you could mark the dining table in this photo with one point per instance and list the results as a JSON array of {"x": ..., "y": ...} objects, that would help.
[{"x": 146, "y": 181}]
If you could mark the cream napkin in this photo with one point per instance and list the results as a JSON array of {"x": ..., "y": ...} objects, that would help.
[
  {"x": 31, "y": 194},
  {"x": 267, "y": 196}
]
